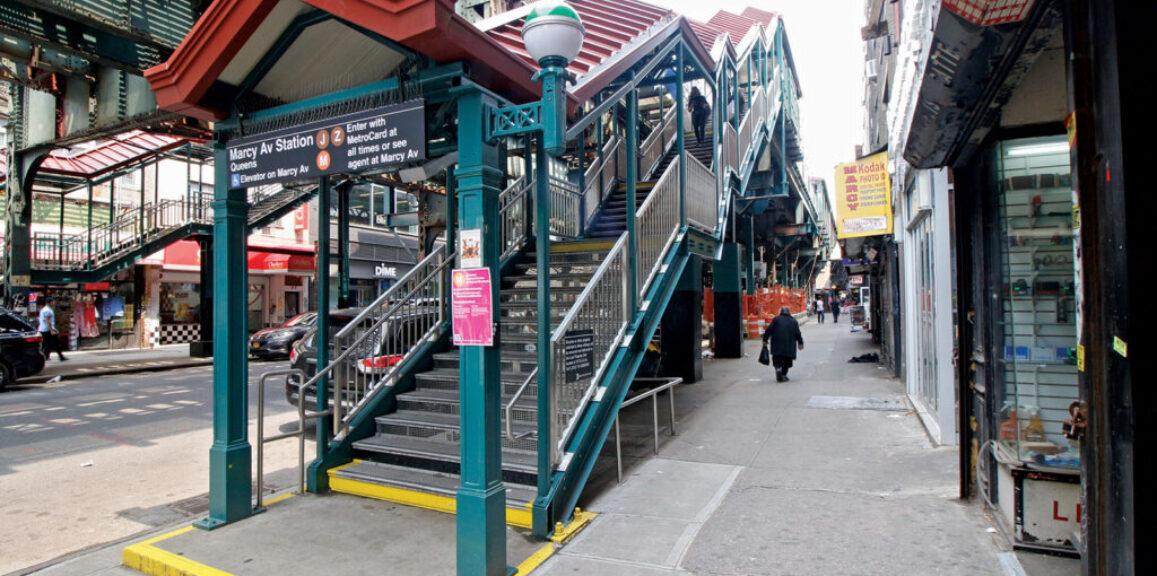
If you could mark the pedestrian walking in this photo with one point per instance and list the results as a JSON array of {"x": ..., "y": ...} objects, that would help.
[
  {"x": 700, "y": 112},
  {"x": 835, "y": 310},
  {"x": 820, "y": 309},
  {"x": 784, "y": 337},
  {"x": 49, "y": 337}
]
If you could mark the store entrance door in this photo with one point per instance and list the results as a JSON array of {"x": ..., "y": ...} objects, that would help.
[{"x": 292, "y": 304}]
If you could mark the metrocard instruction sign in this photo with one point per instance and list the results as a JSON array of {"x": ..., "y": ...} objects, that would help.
[
  {"x": 367, "y": 140},
  {"x": 864, "y": 198}
]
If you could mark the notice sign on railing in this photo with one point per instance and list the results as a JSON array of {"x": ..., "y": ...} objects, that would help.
[
  {"x": 578, "y": 354},
  {"x": 471, "y": 307},
  {"x": 348, "y": 144}
]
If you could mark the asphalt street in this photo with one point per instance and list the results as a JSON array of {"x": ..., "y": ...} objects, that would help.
[{"x": 89, "y": 461}]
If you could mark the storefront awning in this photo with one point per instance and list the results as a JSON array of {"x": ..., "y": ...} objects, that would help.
[
  {"x": 273, "y": 263},
  {"x": 185, "y": 256}
]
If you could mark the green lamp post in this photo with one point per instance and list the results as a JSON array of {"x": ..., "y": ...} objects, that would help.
[{"x": 553, "y": 34}]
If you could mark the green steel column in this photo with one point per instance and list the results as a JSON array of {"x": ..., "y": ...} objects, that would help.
[
  {"x": 662, "y": 133},
  {"x": 88, "y": 244},
  {"x": 528, "y": 170},
  {"x": 343, "y": 242},
  {"x": 749, "y": 246},
  {"x": 203, "y": 346},
  {"x": 582, "y": 182},
  {"x": 481, "y": 499},
  {"x": 230, "y": 458},
  {"x": 317, "y": 479},
  {"x": 600, "y": 143},
  {"x": 19, "y": 217},
  {"x": 679, "y": 138},
  {"x": 632, "y": 203},
  {"x": 542, "y": 293},
  {"x": 729, "y": 327}
]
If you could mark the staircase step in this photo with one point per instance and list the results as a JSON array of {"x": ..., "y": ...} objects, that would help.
[
  {"x": 514, "y": 362},
  {"x": 435, "y": 451},
  {"x": 419, "y": 424},
  {"x": 579, "y": 250},
  {"x": 447, "y": 379},
  {"x": 562, "y": 281},
  {"x": 518, "y": 496},
  {"x": 440, "y": 401}
]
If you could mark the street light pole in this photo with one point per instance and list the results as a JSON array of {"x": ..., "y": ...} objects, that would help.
[{"x": 553, "y": 35}]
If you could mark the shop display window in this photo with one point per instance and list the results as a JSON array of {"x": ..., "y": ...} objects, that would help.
[
  {"x": 1038, "y": 324},
  {"x": 180, "y": 302}
]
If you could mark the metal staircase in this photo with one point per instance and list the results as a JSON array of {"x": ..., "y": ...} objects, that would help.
[
  {"x": 417, "y": 447},
  {"x": 397, "y": 435},
  {"x": 95, "y": 254}
]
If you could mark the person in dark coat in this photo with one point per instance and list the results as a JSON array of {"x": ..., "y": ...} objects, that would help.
[
  {"x": 784, "y": 336},
  {"x": 836, "y": 304},
  {"x": 700, "y": 112}
]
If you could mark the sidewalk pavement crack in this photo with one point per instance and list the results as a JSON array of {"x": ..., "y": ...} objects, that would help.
[{"x": 895, "y": 495}]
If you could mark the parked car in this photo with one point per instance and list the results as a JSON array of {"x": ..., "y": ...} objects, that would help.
[
  {"x": 20, "y": 354},
  {"x": 377, "y": 355},
  {"x": 277, "y": 342}
]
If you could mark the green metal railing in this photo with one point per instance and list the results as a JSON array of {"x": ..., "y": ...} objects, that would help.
[
  {"x": 370, "y": 351},
  {"x": 135, "y": 228}
]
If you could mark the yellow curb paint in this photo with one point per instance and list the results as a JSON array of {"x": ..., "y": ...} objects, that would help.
[
  {"x": 581, "y": 520},
  {"x": 541, "y": 555},
  {"x": 281, "y": 498},
  {"x": 447, "y": 504},
  {"x": 146, "y": 558}
]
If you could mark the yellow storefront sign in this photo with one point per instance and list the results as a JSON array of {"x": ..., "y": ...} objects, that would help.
[{"x": 864, "y": 197}]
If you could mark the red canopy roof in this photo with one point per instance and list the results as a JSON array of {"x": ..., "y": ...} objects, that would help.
[{"x": 106, "y": 155}]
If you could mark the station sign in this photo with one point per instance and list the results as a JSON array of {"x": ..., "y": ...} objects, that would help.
[{"x": 352, "y": 143}]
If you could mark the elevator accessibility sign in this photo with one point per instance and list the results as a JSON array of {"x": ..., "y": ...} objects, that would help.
[{"x": 357, "y": 142}]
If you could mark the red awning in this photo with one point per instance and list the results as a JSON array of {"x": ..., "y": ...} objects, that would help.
[
  {"x": 185, "y": 255},
  {"x": 273, "y": 263}
]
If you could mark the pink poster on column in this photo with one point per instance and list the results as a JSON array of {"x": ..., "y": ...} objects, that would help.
[{"x": 472, "y": 308}]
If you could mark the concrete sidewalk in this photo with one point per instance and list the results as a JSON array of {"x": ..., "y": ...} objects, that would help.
[
  {"x": 88, "y": 363},
  {"x": 827, "y": 474}
]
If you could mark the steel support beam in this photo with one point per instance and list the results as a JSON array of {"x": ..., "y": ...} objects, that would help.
[
  {"x": 230, "y": 459},
  {"x": 481, "y": 499}
]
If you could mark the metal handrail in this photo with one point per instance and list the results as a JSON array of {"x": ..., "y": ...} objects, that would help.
[
  {"x": 730, "y": 143},
  {"x": 592, "y": 194},
  {"x": 653, "y": 227},
  {"x": 565, "y": 207},
  {"x": 513, "y": 214},
  {"x": 653, "y": 394},
  {"x": 299, "y": 433},
  {"x": 609, "y": 172},
  {"x": 652, "y": 149},
  {"x": 569, "y": 401},
  {"x": 100, "y": 245},
  {"x": 423, "y": 286},
  {"x": 702, "y": 195},
  {"x": 509, "y": 409}
]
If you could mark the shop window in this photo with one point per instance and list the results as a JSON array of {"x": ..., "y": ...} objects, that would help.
[
  {"x": 1038, "y": 328},
  {"x": 405, "y": 202}
]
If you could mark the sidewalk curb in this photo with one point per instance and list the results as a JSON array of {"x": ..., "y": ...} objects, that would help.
[{"x": 44, "y": 379}]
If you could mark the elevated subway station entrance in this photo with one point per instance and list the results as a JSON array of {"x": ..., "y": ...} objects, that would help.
[{"x": 586, "y": 229}]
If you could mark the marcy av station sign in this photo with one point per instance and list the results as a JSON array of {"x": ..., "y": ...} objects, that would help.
[{"x": 356, "y": 142}]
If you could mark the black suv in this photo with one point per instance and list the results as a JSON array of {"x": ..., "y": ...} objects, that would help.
[
  {"x": 19, "y": 348},
  {"x": 378, "y": 354}
]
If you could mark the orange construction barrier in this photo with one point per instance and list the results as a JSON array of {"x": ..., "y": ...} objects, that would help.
[{"x": 755, "y": 326}]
